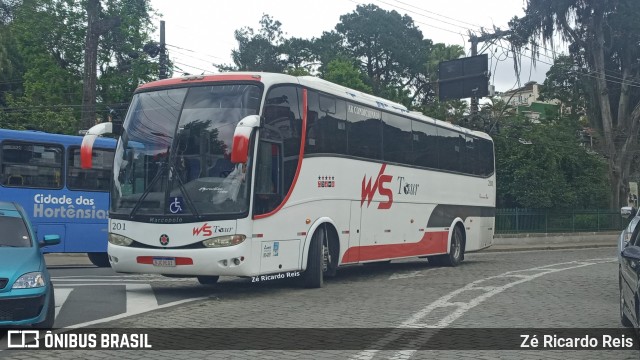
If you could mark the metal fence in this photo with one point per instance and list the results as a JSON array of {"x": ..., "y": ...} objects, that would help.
[{"x": 514, "y": 221}]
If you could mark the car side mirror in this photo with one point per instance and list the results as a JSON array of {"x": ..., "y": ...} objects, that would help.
[
  {"x": 628, "y": 211},
  {"x": 241, "y": 136},
  {"x": 50, "y": 240}
]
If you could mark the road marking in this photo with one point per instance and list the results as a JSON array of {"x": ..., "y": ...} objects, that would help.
[
  {"x": 139, "y": 298},
  {"x": 412, "y": 274},
  {"x": 127, "y": 314},
  {"x": 460, "y": 308},
  {"x": 61, "y": 296}
]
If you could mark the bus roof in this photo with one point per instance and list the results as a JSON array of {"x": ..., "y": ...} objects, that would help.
[
  {"x": 40, "y": 136},
  {"x": 313, "y": 82}
]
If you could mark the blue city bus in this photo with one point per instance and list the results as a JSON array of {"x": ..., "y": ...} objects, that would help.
[{"x": 42, "y": 172}]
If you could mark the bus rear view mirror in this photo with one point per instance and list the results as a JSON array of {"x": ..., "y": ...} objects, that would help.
[
  {"x": 241, "y": 136},
  {"x": 86, "y": 149}
]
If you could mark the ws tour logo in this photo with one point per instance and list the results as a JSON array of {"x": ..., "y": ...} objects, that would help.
[{"x": 369, "y": 190}]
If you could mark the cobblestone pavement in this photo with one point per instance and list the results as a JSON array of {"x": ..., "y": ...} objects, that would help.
[{"x": 537, "y": 289}]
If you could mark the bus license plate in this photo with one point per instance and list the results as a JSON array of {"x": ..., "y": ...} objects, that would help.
[{"x": 164, "y": 262}]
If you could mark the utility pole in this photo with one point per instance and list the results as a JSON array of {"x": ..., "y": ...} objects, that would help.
[
  {"x": 163, "y": 53},
  {"x": 474, "y": 40},
  {"x": 474, "y": 51}
]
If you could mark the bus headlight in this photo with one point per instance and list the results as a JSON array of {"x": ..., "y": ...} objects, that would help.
[
  {"x": 222, "y": 241},
  {"x": 119, "y": 240}
]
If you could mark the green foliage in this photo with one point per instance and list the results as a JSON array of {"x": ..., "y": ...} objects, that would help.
[
  {"x": 452, "y": 111},
  {"x": 42, "y": 55},
  {"x": 343, "y": 72},
  {"x": 604, "y": 59},
  {"x": 390, "y": 48},
  {"x": 123, "y": 63},
  {"x": 259, "y": 51},
  {"x": 542, "y": 165}
]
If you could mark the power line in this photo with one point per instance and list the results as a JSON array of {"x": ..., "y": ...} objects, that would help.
[
  {"x": 191, "y": 66},
  {"x": 193, "y": 57},
  {"x": 435, "y": 13},
  {"x": 195, "y": 52},
  {"x": 425, "y": 24}
]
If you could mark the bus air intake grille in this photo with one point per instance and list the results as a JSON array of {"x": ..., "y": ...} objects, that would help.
[{"x": 3, "y": 282}]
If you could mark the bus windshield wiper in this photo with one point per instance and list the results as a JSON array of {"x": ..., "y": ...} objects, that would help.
[{"x": 163, "y": 166}]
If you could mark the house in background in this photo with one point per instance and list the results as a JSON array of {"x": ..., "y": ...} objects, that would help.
[{"x": 525, "y": 100}]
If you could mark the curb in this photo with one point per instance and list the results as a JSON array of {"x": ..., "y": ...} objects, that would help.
[{"x": 498, "y": 248}]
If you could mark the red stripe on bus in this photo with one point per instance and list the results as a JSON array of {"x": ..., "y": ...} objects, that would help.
[
  {"x": 198, "y": 78},
  {"x": 431, "y": 243},
  {"x": 148, "y": 260},
  {"x": 300, "y": 156}
]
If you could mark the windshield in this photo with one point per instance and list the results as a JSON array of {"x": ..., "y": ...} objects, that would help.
[
  {"x": 14, "y": 232},
  {"x": 174, "y": 155}
]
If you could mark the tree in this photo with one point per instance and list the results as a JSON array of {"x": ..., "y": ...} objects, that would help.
[
  {"x": 542, "y": 165},
  {"x": 343, "y": 72},
  {"x": 123, "y": 63},
  {"x": 603, "y": 37},
  {"x": 259, "y": 51},
  {"x": 45, "y": 70},
  {"x": 390, "y": 48}
]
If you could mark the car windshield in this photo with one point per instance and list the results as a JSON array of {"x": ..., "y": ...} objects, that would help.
[{"x": 14, "y": 232}]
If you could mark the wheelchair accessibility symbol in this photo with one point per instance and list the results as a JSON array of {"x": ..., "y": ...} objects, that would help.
[{"x": 176, "y": 205}]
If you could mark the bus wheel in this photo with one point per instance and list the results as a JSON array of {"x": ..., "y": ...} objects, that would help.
[
  {"x": 99, "y": 259},
  {"x": 208, "y": 280},
  {"x": 456, "y": 251},
  {"x": 313, "y": 277}
]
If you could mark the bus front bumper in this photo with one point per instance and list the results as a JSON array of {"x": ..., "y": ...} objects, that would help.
[{"x": 226, "y": 261}]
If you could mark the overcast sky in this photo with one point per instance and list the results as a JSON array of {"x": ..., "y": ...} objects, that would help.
[{"x": 200, "y": 32}]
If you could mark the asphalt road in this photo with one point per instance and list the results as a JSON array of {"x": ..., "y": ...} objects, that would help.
[{"x": 528, "y": 289}]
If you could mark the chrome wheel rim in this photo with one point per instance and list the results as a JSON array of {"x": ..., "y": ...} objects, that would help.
[{"x": 456, "y": 245}]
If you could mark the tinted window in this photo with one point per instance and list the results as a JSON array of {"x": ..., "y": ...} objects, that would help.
[
  {"x": 470, "y": 164},
  {"x": 326, "y": 125},
  {"x": 396, "y": 138},
  {"x": 95, "y": 179},
  {"x": 14, "y": 232},
  {"x": 364, "y": 132},
  {"x": 425, "y": 144},
  {"x": 485, "y": 156},
  {"x": 451, "y": 150},
  {"x": 31, "y": 165},
  {"x": 279, "y": 147}
]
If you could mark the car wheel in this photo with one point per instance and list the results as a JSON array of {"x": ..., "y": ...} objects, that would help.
[
  {"x": 99, "y": 259},
  {"x": 47, "y": 323},
  {"x": 623, "y": 318},
  {"x": 208, "y": 280}
]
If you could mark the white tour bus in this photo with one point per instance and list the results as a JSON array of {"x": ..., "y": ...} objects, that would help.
[{"x": 268, "y": 176}]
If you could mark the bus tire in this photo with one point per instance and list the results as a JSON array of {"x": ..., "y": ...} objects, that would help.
[
  {"x": 313, "y": 277},
  {"x": 456, "y": 251},
  {"x": 208, "y": 280},
  {"x": 99, "y": 259}
]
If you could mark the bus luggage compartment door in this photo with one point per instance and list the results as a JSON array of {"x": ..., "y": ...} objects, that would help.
[{"x": 280, "y": 255}]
